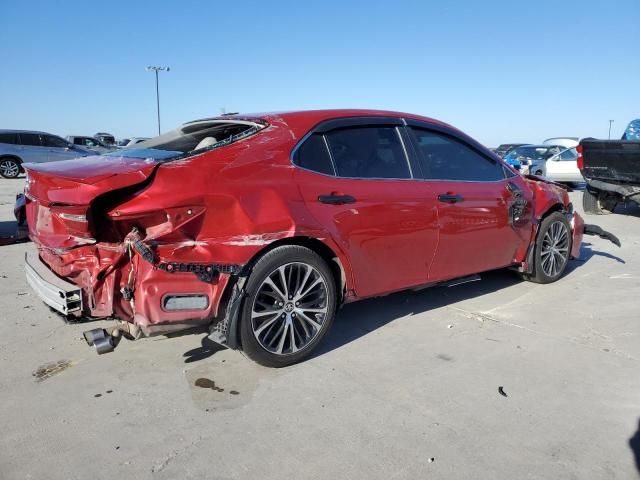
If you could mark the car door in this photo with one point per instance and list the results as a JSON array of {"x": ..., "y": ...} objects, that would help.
[
  {"x": 32, "y": 150},
  {"x": 356, "y": 181},
  {"x": 484, "y": 209},
  {"x": 58, "y": 149}
]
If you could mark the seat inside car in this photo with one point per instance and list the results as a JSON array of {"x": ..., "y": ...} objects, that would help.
[{"x": 206, "y": 142}]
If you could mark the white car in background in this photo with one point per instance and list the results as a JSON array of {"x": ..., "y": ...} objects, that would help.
[
  {"x": 566, "y": 142},
  {"x": 562, "y": 167}
]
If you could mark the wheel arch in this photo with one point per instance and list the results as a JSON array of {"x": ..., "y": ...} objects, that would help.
[
  {"x": 556, "y": 207},
  {"x": 327, "y": 253},
  {"x": 226, "y": 329},
  {"x": 551, "y": 208}
]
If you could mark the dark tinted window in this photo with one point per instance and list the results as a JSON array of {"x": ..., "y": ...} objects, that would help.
[
  {"x": 52, "y": 141},
  {"x": 32, "y": 139},
  {"x": 11, "y": 138},
  {"x": 445, "y": 158},
  {"x": 368, "y": 152},
  {"x": 313, "y": 155}
]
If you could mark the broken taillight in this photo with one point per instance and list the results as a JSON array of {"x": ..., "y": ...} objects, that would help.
[{"x": 580, "y": 159}]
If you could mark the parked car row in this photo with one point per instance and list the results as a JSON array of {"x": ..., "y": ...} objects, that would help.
[
  {"x": 21, "y": 146},
  {"x": 555, "y": 158},
  {"x": 24, "y": 146}
]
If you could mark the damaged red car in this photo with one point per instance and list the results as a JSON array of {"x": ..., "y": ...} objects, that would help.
[{"x": 261, "y": 226}]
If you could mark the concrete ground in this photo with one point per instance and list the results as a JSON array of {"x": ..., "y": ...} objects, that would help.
[{"x": 404, "y": 387}]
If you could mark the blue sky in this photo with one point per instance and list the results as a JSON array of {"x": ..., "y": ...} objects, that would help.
[{"x": 502, "y": 71}]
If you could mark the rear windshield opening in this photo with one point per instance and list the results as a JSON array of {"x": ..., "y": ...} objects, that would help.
[{"x": 192, "y": 138}]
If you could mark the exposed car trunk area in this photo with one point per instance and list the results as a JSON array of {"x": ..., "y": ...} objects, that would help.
[{"x": 80, "y": 218}]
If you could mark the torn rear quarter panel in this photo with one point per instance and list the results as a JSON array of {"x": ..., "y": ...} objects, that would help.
[{"x": 221, "y": 207}]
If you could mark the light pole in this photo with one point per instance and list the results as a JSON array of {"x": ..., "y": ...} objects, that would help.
[
  {"x": 156, "y": 70},
  {"x": 610, "y": 122}
]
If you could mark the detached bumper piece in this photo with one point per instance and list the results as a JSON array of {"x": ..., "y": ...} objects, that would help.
[
  {"x": 597, "y": 231},
  {"x": 62, "y": 296}
]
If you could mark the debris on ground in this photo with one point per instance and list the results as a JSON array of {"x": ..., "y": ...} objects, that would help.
[{"x": 502, "y": 392}]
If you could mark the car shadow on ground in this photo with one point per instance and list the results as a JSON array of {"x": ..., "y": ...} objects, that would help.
[
  {"x": 634, "y": 444},
  {"x": 357, "y": 319},
  {"x": 360, "y": 318},
  {"x": 586, "y": 253}
]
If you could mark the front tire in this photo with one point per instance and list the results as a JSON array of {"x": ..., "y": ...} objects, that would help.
[
  {"x": 288, "y": 308},
  {"x": 9, "y": 167},
  {"x": 552, "y": 249}
]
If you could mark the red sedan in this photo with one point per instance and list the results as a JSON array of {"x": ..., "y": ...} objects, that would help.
[{"x": 262, "y": 225}]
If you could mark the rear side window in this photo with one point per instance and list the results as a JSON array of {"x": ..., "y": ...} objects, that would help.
[
  {"x": 10, "y": 138},
  {"x": 30, "y": 139},
  {"x": 313, "y": 155},
  {"x": 445, "y": 158},
  {"x": 368, "y": 152}
]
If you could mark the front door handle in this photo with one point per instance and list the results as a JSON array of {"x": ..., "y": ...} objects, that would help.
[
  {"x": 450, "y": 198},
  {"x": 336, "y": 199}
]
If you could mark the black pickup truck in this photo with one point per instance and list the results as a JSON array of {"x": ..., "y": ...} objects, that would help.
[{"x": 611, "y": 169}]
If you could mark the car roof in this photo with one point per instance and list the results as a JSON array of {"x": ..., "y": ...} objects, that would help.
[
  {"x": 25, "y": 131},
  {"x": 318, "y": 116},
  {"x": 301, "y": 122}
]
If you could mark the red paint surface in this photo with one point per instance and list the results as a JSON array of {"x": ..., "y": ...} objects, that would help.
[{"x": 225, "y": 206}]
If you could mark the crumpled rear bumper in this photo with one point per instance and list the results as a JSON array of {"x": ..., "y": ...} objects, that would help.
[{"x": 94, "y": 275}]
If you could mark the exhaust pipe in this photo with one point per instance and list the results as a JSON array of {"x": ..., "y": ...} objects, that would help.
[{"x": 99, "y": 338}]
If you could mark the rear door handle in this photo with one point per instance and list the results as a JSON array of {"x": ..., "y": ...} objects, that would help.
[
  {"x": 334, "y": 199},
  {"x": 449, "y": 198}
]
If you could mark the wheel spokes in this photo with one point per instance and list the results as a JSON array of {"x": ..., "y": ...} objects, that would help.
[
  {"x": 289, "y": 308},
  {"x": 555, "y": 249}
]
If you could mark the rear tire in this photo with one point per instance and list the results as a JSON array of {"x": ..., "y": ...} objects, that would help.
[
  {"x": 552, "y": 249},
  {"x": 592, "y": 203},
  {"x": 9, "y": 167},
  {"x": 289, "y": 306}
]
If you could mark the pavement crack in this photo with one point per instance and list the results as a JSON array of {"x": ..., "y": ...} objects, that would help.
[{"x": 162, "y": 464}]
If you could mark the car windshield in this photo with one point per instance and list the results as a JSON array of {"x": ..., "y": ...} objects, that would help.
[
  {"x": 192, "y": 138},
  {"x": 527, "y": 153}
]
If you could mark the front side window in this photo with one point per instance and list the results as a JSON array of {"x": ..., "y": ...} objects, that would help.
[
  {"x": 30, "y": 139},
  {"x": 368, "y": 152},
  {"x": 445, "y": 158}
]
